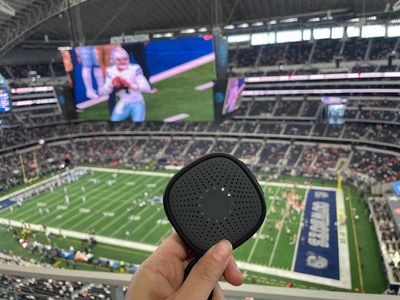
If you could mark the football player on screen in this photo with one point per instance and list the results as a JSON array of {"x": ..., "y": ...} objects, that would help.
[
  {"x": 128, "y": 81},
  {"x": 88, "y": 57}
]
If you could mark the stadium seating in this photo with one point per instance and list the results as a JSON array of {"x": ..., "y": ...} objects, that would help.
[
  {"x": 15, "y": 287},
  {"x": 382, "y": 47},
  {"x": 272, "y": 134},
  {"x": 387, "y": 236}
]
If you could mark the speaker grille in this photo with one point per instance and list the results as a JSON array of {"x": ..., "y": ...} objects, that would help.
[{"x": 215, "y": 200}]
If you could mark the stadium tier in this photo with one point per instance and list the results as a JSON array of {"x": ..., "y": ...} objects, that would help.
[{"x": 306, "y": 96}]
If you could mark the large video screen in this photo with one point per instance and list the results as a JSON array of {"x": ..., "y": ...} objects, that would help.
[
  {"x": 155, "y": 81},
  {"x": 234, "y": 89},
  {"x": 336, "y": 108},
  {"x": 5, "y": 105}
]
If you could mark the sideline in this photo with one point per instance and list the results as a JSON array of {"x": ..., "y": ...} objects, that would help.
[
  {"x": 151, "y": 248},
  {"x": 81, "y": 236}
]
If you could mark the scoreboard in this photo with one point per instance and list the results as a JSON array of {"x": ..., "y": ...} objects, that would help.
[{"x": 5, "y": 105}]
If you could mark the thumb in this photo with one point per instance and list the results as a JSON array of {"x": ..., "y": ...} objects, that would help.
[{"x": 205, "y": 274}]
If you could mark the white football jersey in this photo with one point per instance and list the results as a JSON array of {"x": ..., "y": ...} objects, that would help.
[{"x": 132, "y": 74}]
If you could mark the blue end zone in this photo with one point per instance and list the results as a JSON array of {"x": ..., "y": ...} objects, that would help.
[
  {"x": 318, "y": 252},
  {"x": 6, "y": 203}
]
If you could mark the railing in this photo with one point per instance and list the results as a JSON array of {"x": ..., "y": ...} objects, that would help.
[{"x": 117, "y": 280}]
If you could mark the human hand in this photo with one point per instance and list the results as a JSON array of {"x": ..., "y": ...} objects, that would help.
[
  {"x": 161, "y": 275},
  {"x": 125, "y": 83},
  {"x": 117, "y": 83}
]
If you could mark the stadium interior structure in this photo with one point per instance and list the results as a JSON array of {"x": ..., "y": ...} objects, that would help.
[{"x": 317, "y": 122}]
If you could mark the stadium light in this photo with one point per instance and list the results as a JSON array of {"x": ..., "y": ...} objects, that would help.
[
  {"x": 289, "y": 20},
  {"x": 317, "y": 19},
  {"x": 229, "y": 27},
  {"x": 189, "y": 30},
  {"x": 240, "y": 38},
  {"x": 244, "y": 25},
  {"x": 354, "y": 20},
  {"x": 256, "y": 24},
  {"x": 6, "y": 8},
  {"x": 202, "y": 29},
  {"x": 327, "y": 18},
  {"x": 64, "y": 48}
]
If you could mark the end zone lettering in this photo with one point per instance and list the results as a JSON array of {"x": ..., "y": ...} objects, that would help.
[{"x": 319, "y": 225}]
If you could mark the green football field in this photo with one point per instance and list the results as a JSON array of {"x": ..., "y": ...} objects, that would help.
[
  {"x": 124, "y": 208},
  {"x": 175, "y": 95},
  {"x": 128, "y": 207}
]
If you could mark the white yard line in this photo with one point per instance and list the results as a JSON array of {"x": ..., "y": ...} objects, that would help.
[
  {"x": 294, "y": 275},
  {"x": 299, "y": 231},
  {"x": 52, "y": 203},
  {"x": 343, "y": 240},
  {"x": 299, "y": 186},
  {"x": 262, "y": 227},
  {"x": 276, "y": 242},
  {"x": 93, "y": 208},
  {"x": 111, "y": 205},
  {"x": 151, "y": 232},
  {"x": 124, "y": 214},
  {"x": 146, "y": 173},
  {"x": 130, "y": 223},
  {"x": 143, "y": 223}
]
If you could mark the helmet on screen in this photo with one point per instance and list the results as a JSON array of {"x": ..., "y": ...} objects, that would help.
[{"x": 120, "y": 58}]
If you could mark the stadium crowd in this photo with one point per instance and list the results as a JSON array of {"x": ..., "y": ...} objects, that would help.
[
  {"x": 323, "y": 51},
  {"x": 15, "y": 287},
  {"x": 103, "y": 145},
  {"x": 387, "y": 235}
]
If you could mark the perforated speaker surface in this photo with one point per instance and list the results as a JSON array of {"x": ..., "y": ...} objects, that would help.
[{"x": 214, "y": 198}]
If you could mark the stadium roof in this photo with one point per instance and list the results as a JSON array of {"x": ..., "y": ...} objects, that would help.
[{"x": 39, "y": 22}]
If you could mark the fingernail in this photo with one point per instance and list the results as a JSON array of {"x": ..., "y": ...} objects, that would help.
[{"x": 222, "y": 251}]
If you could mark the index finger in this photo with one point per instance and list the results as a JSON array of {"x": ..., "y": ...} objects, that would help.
[{"x": 173, "y": 246}]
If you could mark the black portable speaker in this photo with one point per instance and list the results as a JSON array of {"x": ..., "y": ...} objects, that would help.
[{"x": 215, "y": 197}]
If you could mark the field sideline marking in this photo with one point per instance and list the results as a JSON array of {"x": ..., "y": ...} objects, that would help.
[
  {"x": 146, "y": 173},
  {"x": 80, "y": 235},
  {"x": 299, "y": 186},
  {"x": 356, "y": 242},
  {"x": 151, "y": 248},
  {"x": 299, "y": 231}
]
